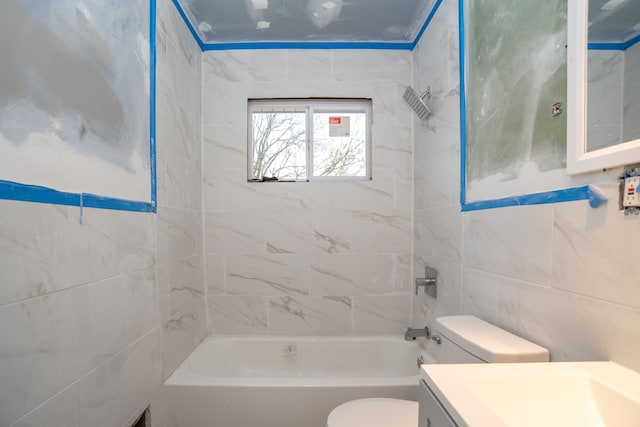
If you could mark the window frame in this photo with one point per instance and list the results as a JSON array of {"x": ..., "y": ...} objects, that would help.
[{"x": 310, "y": 106}]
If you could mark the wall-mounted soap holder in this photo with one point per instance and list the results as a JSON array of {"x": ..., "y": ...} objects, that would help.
[{"x": 429, "y": 282}]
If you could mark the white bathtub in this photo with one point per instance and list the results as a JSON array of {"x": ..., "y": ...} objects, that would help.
[{"x": 286, "y": 381}]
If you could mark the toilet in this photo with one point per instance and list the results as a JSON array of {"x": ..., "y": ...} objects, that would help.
[{"x": 455, "y": 339}]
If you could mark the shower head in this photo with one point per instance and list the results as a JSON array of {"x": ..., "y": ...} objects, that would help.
[{"x": 416, "y": 102}]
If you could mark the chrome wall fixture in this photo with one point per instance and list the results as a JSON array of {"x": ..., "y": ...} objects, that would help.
[{"x": 429, "y": 282}]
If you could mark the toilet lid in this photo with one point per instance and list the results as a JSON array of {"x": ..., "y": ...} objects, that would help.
[{"x": 375, "y": 412}]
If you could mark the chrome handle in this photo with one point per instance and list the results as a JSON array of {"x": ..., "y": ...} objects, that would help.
[
  {"x": 424, "y": 281},
  {"x": 437, "y": 339}
]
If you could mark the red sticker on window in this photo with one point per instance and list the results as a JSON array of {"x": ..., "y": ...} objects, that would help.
[{"x": 335, "y": 120}]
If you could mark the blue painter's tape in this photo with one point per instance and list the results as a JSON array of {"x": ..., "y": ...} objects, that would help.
[
  {"x": 463, "y": 106},
  {"x": 596, "y": 197},
  {"x": 632, "y": 41},
  {"x": 557, "y": 196},
  {"x": 606, "y": 46},
  {"x": 33, "y": 193},
  {"x": 426, "y": 24},
  {"x": 152, "y": 103},
  {"x": 307, "y": 45},
  {"x": 101, "y": 202},
  {"x": 615, "y": 46}
]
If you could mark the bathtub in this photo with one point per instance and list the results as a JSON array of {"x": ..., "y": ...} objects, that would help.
[{"x": 286, "y": 381}]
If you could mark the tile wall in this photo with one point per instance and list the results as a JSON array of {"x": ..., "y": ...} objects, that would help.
[
  {"x": 561, "y": 275},
  {"x": 306, "y": 258},
  {"x": 179, "y": 218},
  {"x": 94, "y": 316}
]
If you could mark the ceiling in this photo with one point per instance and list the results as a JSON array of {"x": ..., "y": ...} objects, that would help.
[
  {"x": 249, "y": 21},
  {"x": 613, "y": 20},
  {"x": 223, "y": 22}
]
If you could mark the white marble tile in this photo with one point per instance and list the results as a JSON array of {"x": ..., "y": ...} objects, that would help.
[
  {"x": 426, "y": 308},
  {"x": 571, "y": 326},
  {"x": 606, "y": 66},
  {"x": 185, "y": 283},
  {"x": 240, "y": 195},
  {"x": 309, "y": 65},
  {"x": 171, "y": 23},
  {"x": 439, "y": 233},
  {"x": 235, "y": 314},
  {"x": 179, "y": 233},
  {"x": 378, "y": 193},
  {"x": 288, "y": 195},
  {"x": 311, "y": 89},
  {"x": 163, "y": 289},
  {"x": 479, "y": 293},
  {"x": 214, "y": 269},
  {"x": 180, "y": 335},
  {"x": 390, "y": 108},
  {"x": 310, "y": 315},
  {"x": 235, "y": 233},
  {"x": 141, "y": 303},
  {"x": 184, "y": 184},
  {"x": 403, "y": 191},
  {"x": 392, "y": 144},
  {"x": 379, "y": 315},
  {"x": 536, "y": 313},
  {"x": 371, "y": 65},
  {"x": 48, "y": 342},
  {"x": 180, "y": 82},
  {"x": 277, "y": 274},
  {"x": 244, "y": 66},
  {"x": 229, "y": 105},
  {"x": 213, "y": 187},
  {"x": 514, "y": 242},
  {"x": 355, "y": 274},
  {"x": 431, "y": 185},
  {"x": 588, "y": 256},
  {"x": 631, "y": 106},
  {"x": 433, "y": 62},
  {"x": 45, "y": 248},
  {"x": 224, "y": 146},
  {"x": 382, "y": 232},
  {"x": 437, "y": 157},
  {"x": 111, "y": 394},
  {"x": 59, "y": 411},
  {"x": 308, "y": 232},
  {"x": 161, "y": 175},
  {"x": 177, "y": 129}
]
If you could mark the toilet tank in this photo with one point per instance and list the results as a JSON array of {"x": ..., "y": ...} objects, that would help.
[{"x": 468, "y": 339}]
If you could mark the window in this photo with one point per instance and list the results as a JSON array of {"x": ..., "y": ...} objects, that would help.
[{"x": 303, "y": 139}]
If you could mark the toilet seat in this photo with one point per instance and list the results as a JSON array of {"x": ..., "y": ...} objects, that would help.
[{"x": 375, "y": 412}]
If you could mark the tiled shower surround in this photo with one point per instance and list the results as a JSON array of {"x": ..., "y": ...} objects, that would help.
[
  {"x": 323, "y": 257},
  {"x": 93, "y": 317}
]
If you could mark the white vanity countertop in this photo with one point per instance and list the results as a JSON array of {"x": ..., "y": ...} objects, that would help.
[{"x": 586, "y": 394}]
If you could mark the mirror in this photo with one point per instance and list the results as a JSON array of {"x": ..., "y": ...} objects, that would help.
[{"x": 604, "y": 57}]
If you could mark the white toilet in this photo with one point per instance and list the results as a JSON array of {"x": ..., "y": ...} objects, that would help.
[{"x": 455, "y": 339}]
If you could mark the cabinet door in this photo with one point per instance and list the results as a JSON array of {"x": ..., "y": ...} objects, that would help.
[{"x": 432, "y": 413}]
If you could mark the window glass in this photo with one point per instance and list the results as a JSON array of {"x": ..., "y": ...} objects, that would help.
[
  {"x": 298, "y": 139},
  {"x": 339, "y": 144},
  {"x": 279, "y": 145}
]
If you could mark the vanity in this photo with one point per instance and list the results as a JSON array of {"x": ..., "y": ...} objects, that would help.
[{"x": 561, "y": 394}]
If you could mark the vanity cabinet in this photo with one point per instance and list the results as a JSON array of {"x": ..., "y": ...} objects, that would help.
[{"x": 432, "y": 413}]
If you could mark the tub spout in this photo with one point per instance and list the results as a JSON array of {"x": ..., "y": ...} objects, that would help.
[{"x": 412, "y": 334}]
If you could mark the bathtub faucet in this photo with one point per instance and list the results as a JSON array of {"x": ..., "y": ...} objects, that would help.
[{"x": 412, "y": 334}]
